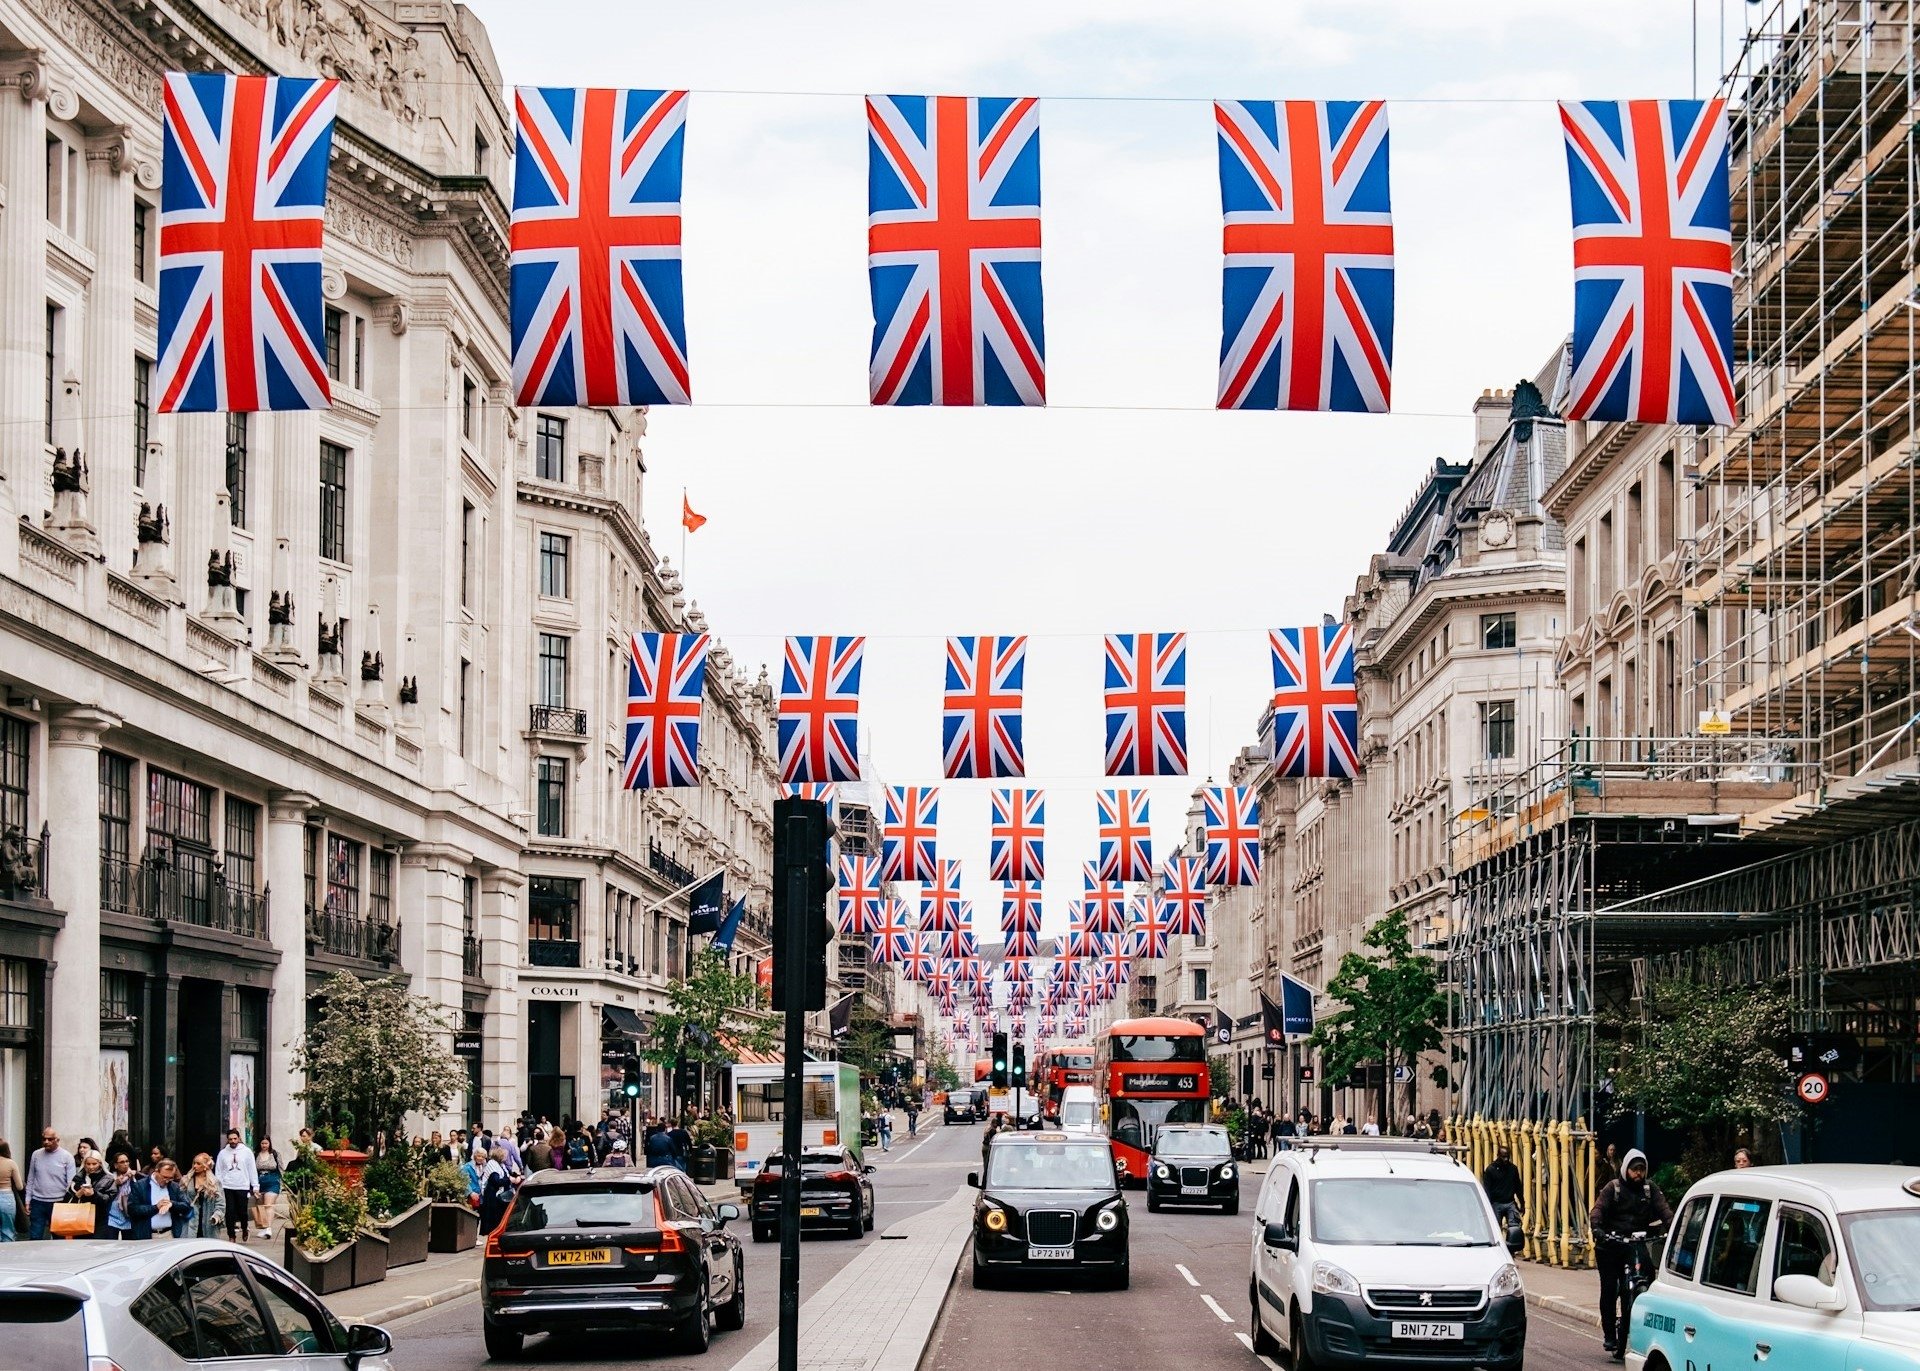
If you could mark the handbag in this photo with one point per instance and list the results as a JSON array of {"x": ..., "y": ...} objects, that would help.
[{"x": 72, "y": 1219}]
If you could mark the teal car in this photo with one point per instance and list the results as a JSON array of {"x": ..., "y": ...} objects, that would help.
[{"x": 1805, "y": 1268}]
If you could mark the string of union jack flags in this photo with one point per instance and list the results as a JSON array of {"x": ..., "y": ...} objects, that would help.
[{"x": 598, "y": 309}]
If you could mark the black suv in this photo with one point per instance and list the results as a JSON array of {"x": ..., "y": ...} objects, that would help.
[
  {"x": 1049, "y": 1202},
  {"x": 834, "y": 1193},
  {"x": 1192, "y": 1164},
  {"x": 611, "y": 1249},
  {"x": 965, "y": 1106}
]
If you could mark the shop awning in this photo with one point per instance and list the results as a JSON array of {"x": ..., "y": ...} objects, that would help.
[
  {"x": 617, "y": 1021},
  {"x": 746, "y": 1056}
]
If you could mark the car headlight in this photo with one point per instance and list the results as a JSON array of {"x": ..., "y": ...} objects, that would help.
[
  {"x": 1506, "y": 1281},
  {"x": 1108, "y": 1220},
  {"x": 1162, "y": 1170},
  {"x": 1226, "y": 1172},
  {"x": 995, "y": 1220},
  {"x": 1329, "y": 1279}
]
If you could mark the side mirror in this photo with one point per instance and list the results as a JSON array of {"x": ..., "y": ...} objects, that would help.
[
  {"x": 1807, "y": 1292},
  {"x": 1280, "y": 1237},
  {"x": 728, "y": 1211},
  {"x": 973, "y": 1179},
  {"x": 868, "y": 1170},
  {"x": 366, "y": 1340}
]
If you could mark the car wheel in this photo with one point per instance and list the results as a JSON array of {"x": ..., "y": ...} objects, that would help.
[
  {"x": 503, "y": 1344},
  {"x": 1153, "y": 1203},
  {"x": 1299, "y": 1357},
  {"x": 763, "y": 1232},
  {"x": 1264, "y": 1343},
  {"x": 695, "y": 1335},
  {"x": 732, "y": 1315},
  {"x": 856, "y": 1226},
  {"x": 871, "y": 1205}
]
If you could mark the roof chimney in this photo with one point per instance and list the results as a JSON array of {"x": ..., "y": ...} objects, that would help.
[{"x": 1490, "y": 414}]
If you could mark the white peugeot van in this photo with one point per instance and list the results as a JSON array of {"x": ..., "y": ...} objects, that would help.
[
  {"x": 1377, "y": 1249},
  {"x": 1080, "y": 1111}
]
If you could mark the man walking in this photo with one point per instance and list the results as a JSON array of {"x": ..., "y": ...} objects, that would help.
[
  {"x": 239, "y": 1179},
  {"x": 913, "y": 1116},
  {"x": 1501, "y": 1181},
  {"x": 50, "y": 1173}
]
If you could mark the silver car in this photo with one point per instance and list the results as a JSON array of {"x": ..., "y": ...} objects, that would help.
[{"x": 152, "y": 1306}]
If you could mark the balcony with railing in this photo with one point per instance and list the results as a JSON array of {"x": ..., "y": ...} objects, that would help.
[
  {"x": 192, "y": 891},
  {"x": 470, "y": 957},
  {"x": 557, "y": 952},
  {"x": 343, "y": 934},
  {"x": 665, "y": 864},
  {"x": 558, "y": 719},
  {"x": 23, "y": 866}
]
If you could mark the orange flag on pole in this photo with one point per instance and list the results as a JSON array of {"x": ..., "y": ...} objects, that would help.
[{"x": 688, "y": 518}]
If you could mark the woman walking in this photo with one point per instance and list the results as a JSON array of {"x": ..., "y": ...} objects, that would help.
[
  {"x": 266, "y": 1164},
  {"x": 206, "y": 1205},
  {"x": 93, "y": 1184},
  {"x": 12, "y": 1187},
  {"x": 496, "y": 1190}
]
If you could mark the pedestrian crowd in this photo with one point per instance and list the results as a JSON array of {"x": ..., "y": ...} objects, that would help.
[{"x": 115, "y": 1193}]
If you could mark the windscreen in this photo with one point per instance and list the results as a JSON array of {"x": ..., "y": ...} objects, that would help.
[
  {"x": 1080, "y": 1115},
  {"x": 1390, "y": 1211},
  {"x": 1050, "y": 1166},
  {"x": 1883, "y": 1244},
  {"x": 1192, "y": 1142},
  {"x": 1140, "y": 1047},
  {"x": 547, "y": 1210}
]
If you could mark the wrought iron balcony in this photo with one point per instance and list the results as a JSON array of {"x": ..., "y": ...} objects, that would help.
[
  {"x": 663, "y": 863},
  {"x": 350, "y": 935},
  {"x": 185, "y": 890},
  {"x": 119, "y": 885},
  {"x": 23, "y": 865},
  {"x": 571, "y": 723},
  {"x": 553, "y": 952},
  {"x": 470, "y": 957}
]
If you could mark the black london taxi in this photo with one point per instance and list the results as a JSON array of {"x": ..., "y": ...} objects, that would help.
[
  {"x": 1049, "y": 1202},
  {"x": 1192, "y": 1164}
]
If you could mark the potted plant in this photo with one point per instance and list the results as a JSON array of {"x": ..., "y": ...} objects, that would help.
[
  {"x": 327, "y": 1217},
  {"x": 452, "y": 1224},
  {"x": 370, "y": 1250},
  {"x": 716, "y": 1137},
  {"x": 400, "y": 1210}
]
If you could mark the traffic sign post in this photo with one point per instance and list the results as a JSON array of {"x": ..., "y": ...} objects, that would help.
[{"x": 1813, "y": 1088}]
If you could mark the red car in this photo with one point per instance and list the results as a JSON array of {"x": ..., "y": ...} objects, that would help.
[{"x": 834, "y": 1193}]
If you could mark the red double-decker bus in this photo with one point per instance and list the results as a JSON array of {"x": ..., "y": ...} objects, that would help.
[
  {"x": 1061, "y": 1067},
  {"x": 1151, "y": 1072}
]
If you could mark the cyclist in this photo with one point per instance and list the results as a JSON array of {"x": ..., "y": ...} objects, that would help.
[{"x": 1628, "y": 1204}]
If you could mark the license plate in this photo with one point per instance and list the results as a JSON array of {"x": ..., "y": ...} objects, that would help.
[
  {"x": 1051, "y": 1254},
  {"x": 811, "y": 1211},
  {"x": 581, "y": 1256},
  {"x": 1429, "y": 1332},
  {"x": 1193, "y": 1190}
]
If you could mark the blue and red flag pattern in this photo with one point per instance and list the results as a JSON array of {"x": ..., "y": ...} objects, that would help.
[
  {"x": 666, "y": 685},
  {"x": 1126, "y": 838},
  {"x": 893, "y": 937},
  {"x": 819, "y": 727},
  {"x": 1231, "y": 819},
  {"x": 981, "y": 727},
  {"x": 1146, "y": 688},
  {"x": 953, "y": 251},
  {"x": 1307, "y": 291},
  {"x": 1150, "y": 927},
  {"x": 1183, "y": 896},
  {"x": 862, "y": 896},
  {"x": 1020, "y": 913},
  {"x": 907, "y": 847},
  {"x": 598, "y": 313},
  {"x": 1103, "y": 906},
  {"x": 1017, "y": 848},
  {"x": 1316, "y": 707},
  {"x": 242, "y": 207},
  {"x": 940, "y": 898},
  {"x": 1652, "y": 261}
]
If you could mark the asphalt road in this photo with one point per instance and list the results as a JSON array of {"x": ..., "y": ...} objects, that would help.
[
  {"x": 1187, "y": 1309},
  {"x": 917, "y": 1174}
]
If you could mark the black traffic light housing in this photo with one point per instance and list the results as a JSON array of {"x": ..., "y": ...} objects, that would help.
[
  {"x": 630, "y": 1077},
  {"x": 1019, "y": 1066},
  {"x": 802, "y": 881},
  {"x": 999, "y": 1061}
]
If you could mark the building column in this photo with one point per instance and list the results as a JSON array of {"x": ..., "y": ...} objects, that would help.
[
  {"x": 106, "y": 366},
  {"x": 430, "y": 902},
  {"x": 24, "y": 91},
  {"x": 73, "y": 881},
  {"x": 292, "y": 560},
  {"x": 503, "y": 1081},
  {"x": 287, "y": 927}
]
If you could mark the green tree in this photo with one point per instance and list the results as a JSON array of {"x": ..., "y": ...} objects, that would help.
[
  {"x": 940, "y": 1072},
  {"x": 376, "y": 1053},
  {"x": 1391, "y": 1011},
  {"x": 867, "y": 1043},
  {"x": 1219, "y": 1077},
  {"x": 713, "y": 1016}
]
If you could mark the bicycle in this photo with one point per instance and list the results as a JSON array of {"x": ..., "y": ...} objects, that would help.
[{"x": 1634, "y": 1276}]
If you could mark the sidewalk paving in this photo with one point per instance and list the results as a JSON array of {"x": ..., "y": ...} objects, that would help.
[{"x": 1570, "y": 1294}]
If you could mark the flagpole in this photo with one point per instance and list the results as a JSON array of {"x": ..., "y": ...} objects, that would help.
[{"x": 683, "y": 535}]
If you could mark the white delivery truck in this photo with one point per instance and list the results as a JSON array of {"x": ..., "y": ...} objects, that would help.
[{"x": 830, "y": 1102}]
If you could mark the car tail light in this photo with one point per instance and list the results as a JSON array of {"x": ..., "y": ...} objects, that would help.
[
  {"x": 839, "y": 1176},
  {"x": 832, "y": 1138},
  {"x": 670, "y": 1241}
]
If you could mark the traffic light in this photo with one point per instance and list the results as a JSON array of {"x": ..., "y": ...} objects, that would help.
[
  {"x": 801, "y": 882},
  {"x": 1019, "y": 1066},
  {"x": 999, "y": 1061},
  {"x": 630, "y": 1078}
]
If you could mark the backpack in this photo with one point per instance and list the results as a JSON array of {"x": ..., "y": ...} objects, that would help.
[{"x": 578, "y": 1154}]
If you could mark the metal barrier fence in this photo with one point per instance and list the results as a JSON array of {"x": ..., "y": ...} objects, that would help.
[{"x": 1557, "y": 1180}]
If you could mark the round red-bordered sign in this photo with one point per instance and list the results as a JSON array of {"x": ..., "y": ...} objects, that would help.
[{"x": 1812, "y": 1088}]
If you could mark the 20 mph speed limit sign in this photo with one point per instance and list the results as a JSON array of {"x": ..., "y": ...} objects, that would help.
[{"x": 1812, "y": 1088}]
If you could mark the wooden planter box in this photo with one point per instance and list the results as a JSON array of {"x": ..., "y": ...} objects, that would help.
[
  {"x": 452, "y": 1228},
  {"x": 326, "y": 1274},
  {"x": 406, "y": 1234},
  {"x": 369, "y": 1259}
]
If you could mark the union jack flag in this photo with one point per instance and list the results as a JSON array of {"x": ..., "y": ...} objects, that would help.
[
  {"x": 1233, "y": 835},
  {"x": 953, "y": 251},
  {"x": 820, "y": 709},
  {"x": 598, "y": 317},
  {"x": 956, "y": 944},
  {"x": 862, "y": 896},
  {"x": 893, "y": 937},
  {"x": 1016, "y": 851},
  {"x": 666, "y": 681},
  {"x": 1104, "y": 905},
  {"x": 1183, "y": 896},
  {"x": 1083, "y": 942},
  {"x": 907, "y": 840},
  {"x": 1652, "y": 261},
  {"x": 828, "y": 795},
  {"x": 1126, "y": 840},
  {"x": 918, "y": 963},
  {"x": 1020, "y": 914},
  {"x": 940, "y": 899},
  {"x": 1017, "y": 972},
  {"x": 1150, "y": 927},
  {"x": 981, "y": 728},
  {"x": 1307, "y": 293},
  {"x": 1146, "y": 704},
  {"x": 1316, "y": 709},
  {"x": 242, "y": 202}
]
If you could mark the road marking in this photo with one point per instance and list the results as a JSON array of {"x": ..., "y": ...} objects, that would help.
[
  {"x": 1247, "y": 1343},
  {"x": 1188, "y": 1274},
  {"x": 1214, "y": 1305}
]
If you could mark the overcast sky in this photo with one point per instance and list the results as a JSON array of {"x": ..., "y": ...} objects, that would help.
[{"x": 1130, "y": 505}]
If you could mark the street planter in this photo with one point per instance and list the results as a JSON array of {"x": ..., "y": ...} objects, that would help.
[
  {"x": 726, "y": 1164},
  {"x": 327, "y": 1273},
  {"x": 706, "y": 1166},
  {"x": 369, "y": 1259},
  {"x": 406, "y": 1234},
  {"x": 350, "y": 1162},
  {"x": 451, "y": 1228}
]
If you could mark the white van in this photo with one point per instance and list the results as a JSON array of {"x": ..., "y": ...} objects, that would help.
[
  {"x": 1080, "y": 1111},
  {"x": 1370, "y": 1249}
]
